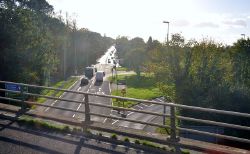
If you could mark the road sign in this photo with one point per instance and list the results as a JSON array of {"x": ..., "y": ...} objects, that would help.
[{"x": 12, "y": 86}]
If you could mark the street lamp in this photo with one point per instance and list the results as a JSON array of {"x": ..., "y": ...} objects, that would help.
[
  {"x": 167, "y": 22},
  {"x": 243, "y": 36}
]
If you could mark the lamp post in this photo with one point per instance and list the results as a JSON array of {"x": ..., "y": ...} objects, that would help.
[
  {"x": 244, "y": 35},
  {"x": 167, "y": 22}
]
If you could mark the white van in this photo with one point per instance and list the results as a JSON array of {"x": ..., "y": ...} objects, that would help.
[{"x": 99, "y": 76}]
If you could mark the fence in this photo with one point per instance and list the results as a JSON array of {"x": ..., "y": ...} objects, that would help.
[{"x": 173, "y": 117}]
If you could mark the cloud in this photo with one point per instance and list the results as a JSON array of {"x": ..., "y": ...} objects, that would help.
[
  {"x": 238, "y": 22},
  {"x": 181, "y": 23},
  {"x": 207, "y": 25}
]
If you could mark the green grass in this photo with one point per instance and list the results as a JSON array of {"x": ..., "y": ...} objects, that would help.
[
  {"x": 122, "y": 69},
  {"x": 150, "y": 144},
  {"x": 166, "y": 130},
  {"x": 42, "y": 124},
  {"x": 62, "y": 84},
  {"x": 141, "y": 88}
]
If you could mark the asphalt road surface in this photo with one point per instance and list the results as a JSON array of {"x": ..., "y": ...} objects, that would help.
[
  {"x": 105, "y": 63},
  {"x": 141, "y": 116}
]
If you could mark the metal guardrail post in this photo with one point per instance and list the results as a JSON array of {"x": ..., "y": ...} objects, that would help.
[
  {"x": 22, "y": 97},
  {"x": 172, "y": 125},
  {"x": 164, "y": 117},
  {"x": 87, "y": 109}
]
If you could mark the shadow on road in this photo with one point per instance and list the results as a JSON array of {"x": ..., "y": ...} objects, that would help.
[
  {"x": 98, "y": 83},
  {"x": 78, "y": 142},
  {"x": 32, "y": 146},
  {"x": 12, "y": 119}
]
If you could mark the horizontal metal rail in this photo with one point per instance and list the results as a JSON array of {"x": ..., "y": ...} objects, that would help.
[
  {"x": 172, "y": 106},
  {"x": 94, "y": 104},
  {"x": 38, "y": 104},
  {"x": 214, "y": 123},
  {"x": 77, "y": 111},
  {"x": 127, "y": 109},
  {"x": 54, "y": 98},
  {"x": 44, "y": 96},
  {"x": 130, "y": 120},
  {"x": 214, "y": 135},
  {"x": 143, "y": 101}
]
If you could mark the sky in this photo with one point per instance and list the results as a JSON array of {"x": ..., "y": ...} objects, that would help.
[{"x": 223, "y": 21}]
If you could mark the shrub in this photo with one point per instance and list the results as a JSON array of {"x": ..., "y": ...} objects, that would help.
[
  {"x": 114, "y": 136},
  {"x": 137, "y": 142},
  {"x": 66, "y": 128},
  {"x": 126, "y": 139},
  {"x": 100, "y": 134}
]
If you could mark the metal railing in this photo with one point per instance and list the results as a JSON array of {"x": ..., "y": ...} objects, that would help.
[{"x": 172, "y": 116}]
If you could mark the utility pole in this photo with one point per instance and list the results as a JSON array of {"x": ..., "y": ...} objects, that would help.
[
  {"x": 64, "y": 52},
  {"x": 74, "y": 37}
]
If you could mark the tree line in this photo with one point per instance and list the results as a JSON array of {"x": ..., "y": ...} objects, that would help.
[
  {"x": 38, "y": 45},
  {"x": 205, "y": 74}
]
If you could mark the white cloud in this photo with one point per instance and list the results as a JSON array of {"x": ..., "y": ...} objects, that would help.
[
  {"x": 236, "y": 22},
  {"x": 181, "y": 23},
  {"x": 207, "y": 25}
]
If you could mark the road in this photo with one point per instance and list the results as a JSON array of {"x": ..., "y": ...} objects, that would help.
[
  {"x": 105, "y": 63},
  {"x": 141, "y": 116}
]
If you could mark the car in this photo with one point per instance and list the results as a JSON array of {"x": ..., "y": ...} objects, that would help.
[
  {"x": 99, "y": 76},
  {"x": 84, "y": 81},
  {"x": 109, "y": 61}
]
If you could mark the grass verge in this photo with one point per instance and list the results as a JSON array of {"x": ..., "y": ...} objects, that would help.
[
  {"x": 166, "y": 130},
  {"x": 122, "y": 69},
  {"x": 62, "y": 84},
  {"x": 26, "y": 120},
  {"x": 29, "y": 121},
  {"x": 143, "y": 87}
]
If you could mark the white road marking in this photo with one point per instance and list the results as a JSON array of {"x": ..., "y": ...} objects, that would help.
[
  {"x": 144, "y": 104},
  {"x": 79, "y": 89},
  {"x": 104, "y": 120},
  {"x": 139, "y": 106},
  {"x": 47, "y": 109},
  {"x": 78, "y": 107},
  {"x": 115, "y": 122},
  {"x": 103, "y": 93},
  {"x": 93, "y": 81},
  {"x": 62, "y": 95},
  {"x": 159, "y": 100},
  {"x": 73, "y": 84},
  {"x": 130, "y": 113},
  {"x": 100, "y": 89},
  {"x": 109, "y": 88},
  {"x": 52, "y": 104},
  {"x": 114, "y": 111}
]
